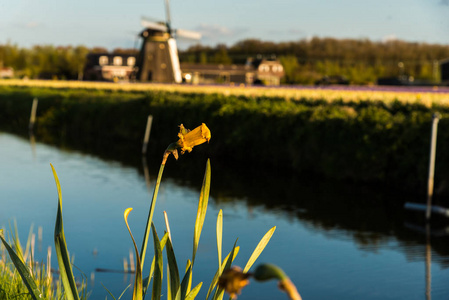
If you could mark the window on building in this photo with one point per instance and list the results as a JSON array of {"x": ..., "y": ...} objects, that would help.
[
  {"x": 118, "y": 61},
  {"x": 131, "y": 61},
  {"x": 103, "y": 60},
  {"x": 264, "y": 68},
  {"x": 277, "y": 68}
]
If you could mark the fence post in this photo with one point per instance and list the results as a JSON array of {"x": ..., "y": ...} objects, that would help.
[
  {"x": 147, "y": 134},
  {"x": 33, "y": 114},
  {"x": 433, "y": 145}
]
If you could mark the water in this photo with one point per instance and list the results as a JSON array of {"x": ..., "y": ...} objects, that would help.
[{"x": 335, "y": 241}]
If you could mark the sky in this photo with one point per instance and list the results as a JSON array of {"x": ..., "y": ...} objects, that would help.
[{"x": 116, "y": 24}]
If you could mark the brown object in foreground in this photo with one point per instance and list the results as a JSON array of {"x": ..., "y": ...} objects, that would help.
[{"x": 233, "y": 281}]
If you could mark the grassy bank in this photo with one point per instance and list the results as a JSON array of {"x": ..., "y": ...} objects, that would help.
[{"x": 358, "y": 139}]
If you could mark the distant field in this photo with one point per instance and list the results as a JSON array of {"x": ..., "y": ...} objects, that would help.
[{"x": 423, "y": 95}]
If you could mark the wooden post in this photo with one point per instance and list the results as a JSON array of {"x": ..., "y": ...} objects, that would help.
[
  {"x": 433, "y": 145},
  {"x": 147, "y": 134},
  {"x": 33, "y": 114}
]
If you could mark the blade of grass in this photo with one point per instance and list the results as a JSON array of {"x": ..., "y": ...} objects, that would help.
[
  {"x": 182, "y": 291},
  {"x": 16, "y": 242},
  {"x": 169, "y": 296},
  {"x": 219, "y": 271},
  {"x": 202, "y": 208},
  {"x": 65, "y": 267},
  {"x": 167, "y": 226},
  {"x": 259, "y": 248},
  {"x": 194, "y": 292},
  {"x": 188, "y": 265},
  {"x": 138, "y": 288},
  {"x": 219, "y": 236},
  {"x": 23, "y": 271},
  {"x": 108, "y": 291},
  {"x": 148, "y": 279},
  {"x": 121, "y": 295},
  {"x": 28, "y": 245},
  {"x": 158, "y": 267},
  {"x": 173, "y": 267},
  {"x": 150, "y": 215}
]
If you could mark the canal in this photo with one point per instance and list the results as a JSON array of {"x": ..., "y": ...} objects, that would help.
[{"x": 335, "y": 240}]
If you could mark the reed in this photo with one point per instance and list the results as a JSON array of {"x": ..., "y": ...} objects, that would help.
[{"x": 22, "y": 277}]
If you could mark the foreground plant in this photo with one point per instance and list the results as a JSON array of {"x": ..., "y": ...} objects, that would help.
[
  {"x": 226, "y": 277},
  {"x": 21, "y": 277},
  {"x": 38, "y": 283},
  {"x": 181, "y": 289}
]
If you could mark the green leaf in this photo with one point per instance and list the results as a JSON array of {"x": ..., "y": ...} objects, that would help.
[
  {"x": 194, "y": 292},
  {"x": 24, "y": 272},
  {"x": 188, "y": 265},
  {"x": 169, "y": 293},
  {"x": 138, "y": 286},
  {"x": 219, "y": 271},
  {"x": 146, "y": 281},
  {"x": 182, "y": 291},
  {"x": 202, "y": 208},
  {"x": 259, "y": 248},
  {"x": 219, "y": 236},
  {"x": 158, "y": 267},
  {"x": 173, "y": 268},
  {"x": 65, "y": 266}
]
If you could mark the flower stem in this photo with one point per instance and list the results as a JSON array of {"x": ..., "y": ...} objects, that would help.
[{"x": 150, "y": 214}]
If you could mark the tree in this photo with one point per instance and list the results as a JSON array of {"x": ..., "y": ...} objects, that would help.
[{"x": 290, "y": 65}]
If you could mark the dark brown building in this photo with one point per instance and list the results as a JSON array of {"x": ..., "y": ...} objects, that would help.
[
  {"x": 255, "y": 71},
  {"x": 110, "y": 67}
]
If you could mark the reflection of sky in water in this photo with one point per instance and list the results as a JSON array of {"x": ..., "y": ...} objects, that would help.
[{"x": 323, "y": 263}]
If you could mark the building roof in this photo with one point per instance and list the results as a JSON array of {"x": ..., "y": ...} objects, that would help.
[{"x": 190, "y": 67}]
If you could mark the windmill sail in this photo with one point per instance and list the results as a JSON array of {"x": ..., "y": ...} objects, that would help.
[
  {"x": 173, "y": 49},
  {"x": 188, "y": 34}
]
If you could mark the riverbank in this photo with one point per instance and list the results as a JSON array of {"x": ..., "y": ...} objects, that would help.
[{"x": 361, "y": 140}]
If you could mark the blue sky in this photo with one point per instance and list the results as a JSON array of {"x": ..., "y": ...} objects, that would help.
[{"x": 112, "y": 24}]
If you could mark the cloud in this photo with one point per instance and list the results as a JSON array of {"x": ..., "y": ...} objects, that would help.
[
  {"x": 214, "y": 32},
  {"x": 294, "y": 32},
  {"x": 389, "y": 38},
  {"x": 444, "y": 2},
  {"x": 32, "y": 24},
  {"x": 28, "y": 25}
]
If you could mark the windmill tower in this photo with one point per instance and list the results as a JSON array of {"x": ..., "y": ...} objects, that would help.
[{"x": 158, "y": 60}]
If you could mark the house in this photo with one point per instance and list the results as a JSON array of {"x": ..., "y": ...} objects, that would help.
[
  {"x": 255, "y": 71},
  {"x": 110, "y": 67},
  {"x": 6, "y": 72}
]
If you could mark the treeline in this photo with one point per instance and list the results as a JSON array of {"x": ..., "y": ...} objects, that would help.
[{"x": 361, "y": 61}]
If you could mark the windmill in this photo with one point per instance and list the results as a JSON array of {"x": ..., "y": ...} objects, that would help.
[{"x": 158, "y": 60}]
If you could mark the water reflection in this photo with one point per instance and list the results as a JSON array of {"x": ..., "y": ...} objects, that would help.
[{"x": 319, "y": 222}]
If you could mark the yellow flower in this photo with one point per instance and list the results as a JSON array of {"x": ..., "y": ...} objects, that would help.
[
  {"x": 233, "y": 281},
  {"x": 187, "y": 140},
  {"x": 191, "y": 138}
]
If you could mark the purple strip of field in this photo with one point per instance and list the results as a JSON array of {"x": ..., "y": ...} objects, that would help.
[{"x": 376, "y": 88}]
